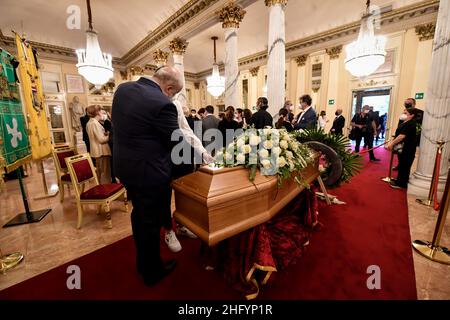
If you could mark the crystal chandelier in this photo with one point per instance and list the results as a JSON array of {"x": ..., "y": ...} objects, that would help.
[
  {"x": 94, "y": 65},
  {"x": 216, "y": 83},
  {"x": 367, "y": 54}
]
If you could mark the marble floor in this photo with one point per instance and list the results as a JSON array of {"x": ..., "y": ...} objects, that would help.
[{"x": 55, "y": 240}]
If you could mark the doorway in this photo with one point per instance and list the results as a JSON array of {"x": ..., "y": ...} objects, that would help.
[{"x": 380, "y": 99}]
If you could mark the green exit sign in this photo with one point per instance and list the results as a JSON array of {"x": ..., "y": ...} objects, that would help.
[
  {"x": 419, "y": 96},
  {"x": 330, "y": 102}
]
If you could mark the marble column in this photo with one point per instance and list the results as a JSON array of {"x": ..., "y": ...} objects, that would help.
[
  {"x": 178, "y": 47},
  {"x": 436, "y": 121},
  {"x": 230, "y": 16},
  {"x": 276, "y": 66},
  {"x": 160, "y": 57}
]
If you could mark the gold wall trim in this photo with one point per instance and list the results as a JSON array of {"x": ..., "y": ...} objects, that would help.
[
  {"x": 9, "y": 42},
  {"x": 389, "y": 18},
  {"x": 182, "y": 16}
]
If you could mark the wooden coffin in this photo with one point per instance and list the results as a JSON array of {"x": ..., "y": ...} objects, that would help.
[{"x": 217, "y": 204}]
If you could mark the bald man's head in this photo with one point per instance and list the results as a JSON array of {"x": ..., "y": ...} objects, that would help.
[{"x": 169, "y": 79}]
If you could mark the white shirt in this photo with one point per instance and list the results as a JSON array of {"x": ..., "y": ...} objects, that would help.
[
  {"x": 322, "y": 122},
  {"x": 303, "y": 113},
  {"x": 188, "y": 134}
]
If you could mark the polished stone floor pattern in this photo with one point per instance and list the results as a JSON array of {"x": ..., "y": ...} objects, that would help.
[{"x": 55, "y": 240}]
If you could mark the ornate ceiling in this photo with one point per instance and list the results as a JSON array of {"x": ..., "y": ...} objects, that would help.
[{"x": 132, "y": 30}]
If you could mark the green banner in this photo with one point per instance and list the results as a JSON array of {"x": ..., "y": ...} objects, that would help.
[{"x": 14, "y": 143}]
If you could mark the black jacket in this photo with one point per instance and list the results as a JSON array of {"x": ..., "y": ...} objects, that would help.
[
  {"x": 144, "y": 120},
  {"x": 338, "y": 125},
  {"x": 261, "y": 119}
]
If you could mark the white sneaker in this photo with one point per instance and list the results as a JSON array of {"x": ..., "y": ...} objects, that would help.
[
  {"x": 172, "y": 241},
  {"x": 183, "y": 231}
]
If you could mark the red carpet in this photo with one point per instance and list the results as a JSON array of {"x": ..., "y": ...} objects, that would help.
[{"x": 372, "y": 229}]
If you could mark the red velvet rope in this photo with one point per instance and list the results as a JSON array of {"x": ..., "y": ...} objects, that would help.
[
  {"x": 365, "y": 151},
  {"x": 436, "y": 181}
]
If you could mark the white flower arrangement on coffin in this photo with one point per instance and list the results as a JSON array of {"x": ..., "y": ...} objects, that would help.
[{"x": 273, "y": 151}]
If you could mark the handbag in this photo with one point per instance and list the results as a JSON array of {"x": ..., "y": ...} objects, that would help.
[{"x": 354, "y": 133}]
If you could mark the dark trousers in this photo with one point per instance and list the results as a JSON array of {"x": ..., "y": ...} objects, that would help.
[
  {"x": 368, "y": 140},
  {"x": 149, "y": 207},
  {"x": 405, "y": 161}
]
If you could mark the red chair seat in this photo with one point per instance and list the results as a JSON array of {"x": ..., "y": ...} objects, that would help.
[
  {"x": 66, "y": 177},
  {"x": 101, "y": 191}
]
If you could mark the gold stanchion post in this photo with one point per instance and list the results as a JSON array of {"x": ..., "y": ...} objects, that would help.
[
  {"x": 432, "y": 250},
  {"x": 9, "y": 261},
  {"x": 429, "y": 201},
  {"x": 389, "y": 178}
]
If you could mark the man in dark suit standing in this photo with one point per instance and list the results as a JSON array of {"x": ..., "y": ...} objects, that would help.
[
  {"x": 261, "y": 118},
  {"x": 338, "y": 123},
  {"x": 308, "y": 119},
  {"x": 84, "y": 120},
  {"x": 144, "y": 120}
]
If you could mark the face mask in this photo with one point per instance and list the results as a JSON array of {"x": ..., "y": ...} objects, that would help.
[
  {"x": 408, "y": 105},
  {"x": 403, "y": 117},
  {"x": 104, "y": 117}
]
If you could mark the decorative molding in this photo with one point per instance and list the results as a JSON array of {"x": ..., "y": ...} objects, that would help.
[
  {"x": 334, "y": 52},
  {"x": 181, "y": 17},
  {"x": 197, "y": 85},
  {"x": 426, "y": 31},
  {"x": 389, "y": 18},
  {"x": 9, "y": 42},
  {"x": 231, "y": 15},
  {"x": 160, "y": 57},
  {"x": 254, "y": 71},
  {"x": 270, "y": 3},
  {"x": 178, "y": 46},
  {"x": 150, "y": 67},
  {"x": 371, "y": 83},
  {"x": 301, "y": 60}
]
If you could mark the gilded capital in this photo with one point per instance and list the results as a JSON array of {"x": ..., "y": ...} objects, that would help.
[
  {"x": 426, "y": 31},
  {"x": 334, "y": 52},
  {"x": 301, "y": 60},
  {"x": 231, "y": 15},
  {"x": 270, "y": 3},
  {"x": 254, "y": 71},
  {"x": 178, "y": 46},
  {"x": 160, "y": 57}
]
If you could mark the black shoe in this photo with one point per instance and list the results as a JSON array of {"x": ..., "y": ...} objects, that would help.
[
  {"x": 375, "y": 160},
  {"x": 151, "y": 280},
  {"x": 396, "y": 186}
]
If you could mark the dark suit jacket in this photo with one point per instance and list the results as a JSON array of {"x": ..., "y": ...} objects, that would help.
[
  {"x": 261, "y": 119},
  {"x": 144, "y": 120},
  {"x": 84, "y": 120},
  {"x": 209, "y": 122},
  {"x": 309, "y": 120},
  {"x": 338, "y": 125}
]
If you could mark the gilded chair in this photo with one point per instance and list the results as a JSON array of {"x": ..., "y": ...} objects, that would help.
[
  {"x": 59, "y": 154},
  {"x": 82, "y": 173}
]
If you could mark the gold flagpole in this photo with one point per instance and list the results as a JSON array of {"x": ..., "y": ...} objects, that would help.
[
  {"x": 429, "y": 201},
  {"x": 432, "y": 250},
  {"x": 47, "y": 194}
]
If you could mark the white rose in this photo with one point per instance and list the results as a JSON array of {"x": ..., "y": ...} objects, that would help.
[
  {"x": 294, "y": 146},
  {"x": 286, "y": 137},
  {"x": 254, "y": 140},
  {"x": 267, "y": 131},
  {"x": 281, "y": 162},
  {"x": 240, "y": 158},
  {"x": 246, "y": 149},
  {"x": 276, "y": 151},
  {"x": 268, "y": 144},
  {"x": 240, "y": 142},
  {"x": 266, "y": 164},
  {"x": 289, "y": 155},
  {"x": 264, "y": 153},
  {"x": 229, "y": 157},
  {"x": 284, "y": 144},
  {"x": 219, "y": 156}
]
